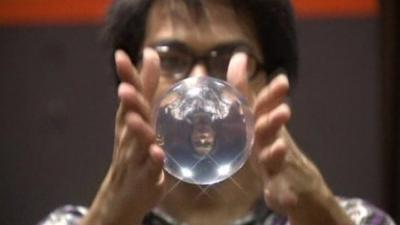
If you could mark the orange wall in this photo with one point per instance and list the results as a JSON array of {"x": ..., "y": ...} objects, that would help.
[
  {"x": 336, "y": 8},
  {"x": 92, "y": 11}
]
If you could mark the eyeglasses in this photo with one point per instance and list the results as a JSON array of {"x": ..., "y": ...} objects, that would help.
[{"x": 177, "y": 59}]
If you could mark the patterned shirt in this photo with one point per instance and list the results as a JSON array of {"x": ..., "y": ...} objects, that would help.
[{"x": 361, "y": 212}]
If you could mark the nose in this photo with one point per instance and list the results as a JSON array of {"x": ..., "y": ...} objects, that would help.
[{"x": 198, "y": 70}]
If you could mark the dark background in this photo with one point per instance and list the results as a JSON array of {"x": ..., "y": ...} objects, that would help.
[{"x": 58, "y": 101}]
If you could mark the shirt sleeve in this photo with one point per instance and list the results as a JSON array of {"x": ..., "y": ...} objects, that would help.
[
  {"x": 65, "y": 215},
  {"x": 363, "y": 213}
]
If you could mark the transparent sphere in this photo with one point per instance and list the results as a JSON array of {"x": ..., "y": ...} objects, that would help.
[{"x": 206, "y": 129}]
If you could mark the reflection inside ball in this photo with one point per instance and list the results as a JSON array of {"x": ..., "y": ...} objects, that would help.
[
  {"x": 203, "y": 134},
  {"x": 205, "y": 128}
]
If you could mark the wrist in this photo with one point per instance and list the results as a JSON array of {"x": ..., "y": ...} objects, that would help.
[
  {"x": 319, "y": 209},
  {"x": 111, "y": 206}
]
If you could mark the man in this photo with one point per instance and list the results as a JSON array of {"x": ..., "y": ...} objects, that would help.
[{"x": 244, "y": 42}]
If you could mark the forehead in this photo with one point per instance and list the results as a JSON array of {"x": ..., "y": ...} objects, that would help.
[{"x": 215, "y": 22}]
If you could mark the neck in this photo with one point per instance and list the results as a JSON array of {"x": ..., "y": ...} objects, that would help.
[{"x": 222, "y": 203}]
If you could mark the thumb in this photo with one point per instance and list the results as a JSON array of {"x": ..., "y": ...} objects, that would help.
[
  {"x": 150, "y": 73},
  {"x": 237, "y": 74}
]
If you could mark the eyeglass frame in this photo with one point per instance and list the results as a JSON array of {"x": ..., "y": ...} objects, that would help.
[{"x": 233, "y": 47}]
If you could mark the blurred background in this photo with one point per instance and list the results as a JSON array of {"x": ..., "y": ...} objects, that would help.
[{"x": 58, "y": 101}]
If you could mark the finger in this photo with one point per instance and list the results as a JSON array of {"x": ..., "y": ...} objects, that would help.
[
  {"x": 140, "y": 135},
  {"x": 268, "y": 124},
  {"x": 150, "y": 73},
  {"x": 272, "y": 95},
  {"x": 156, "y": 163},
  {"x": 237, "y": 74},
  {"x": 294, "y": 149},
  {"x": 273, "y": 157},
  {"x": 133, "y": 100},
  {"x": 288, "y": 199},
  {"x": 279, "y": 196},
  {"x": 125, "y": 69},
  {"x": 120, "y": 120}
]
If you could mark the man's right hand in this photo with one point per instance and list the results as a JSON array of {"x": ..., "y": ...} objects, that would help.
[{"x": 135, "y": 180}]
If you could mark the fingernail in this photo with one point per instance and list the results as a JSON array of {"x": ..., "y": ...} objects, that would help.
[
  {"x": 240, "y": 56},
  {"x": 118, "y": 54},
  {"x": 150, "y": 55},
  {"x": 282, "y": 78}
]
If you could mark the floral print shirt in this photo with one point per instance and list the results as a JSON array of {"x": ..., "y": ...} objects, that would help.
[{"x": 361, "y": 212}]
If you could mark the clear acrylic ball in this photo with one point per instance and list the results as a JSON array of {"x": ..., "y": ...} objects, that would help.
[{"x": 206, "y": 129}]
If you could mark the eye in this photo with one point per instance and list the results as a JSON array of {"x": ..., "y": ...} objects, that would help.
[
  {"x": 174, "y": 64},
  {"x": 219, "y": 60},
  {"x": 251, "y": 66},
  {"x": 218, "y": 64}
]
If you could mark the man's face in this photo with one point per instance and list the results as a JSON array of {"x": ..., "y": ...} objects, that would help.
[{"x": 171, "y": 22}]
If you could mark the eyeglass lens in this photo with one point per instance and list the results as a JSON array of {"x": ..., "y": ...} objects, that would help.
[{"x": 177, "y": 60}]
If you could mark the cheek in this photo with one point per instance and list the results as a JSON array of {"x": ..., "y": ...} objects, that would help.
[
  {"x": 258, "y": 83},
  {"x": 255, "y": 86},
  {"x": 163, "y": 86}
]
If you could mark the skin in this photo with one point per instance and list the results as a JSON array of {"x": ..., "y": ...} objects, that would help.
[{"x": 278, "y": 171}]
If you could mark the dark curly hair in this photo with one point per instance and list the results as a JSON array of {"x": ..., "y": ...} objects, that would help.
[{"x": 273, "y": 21}]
